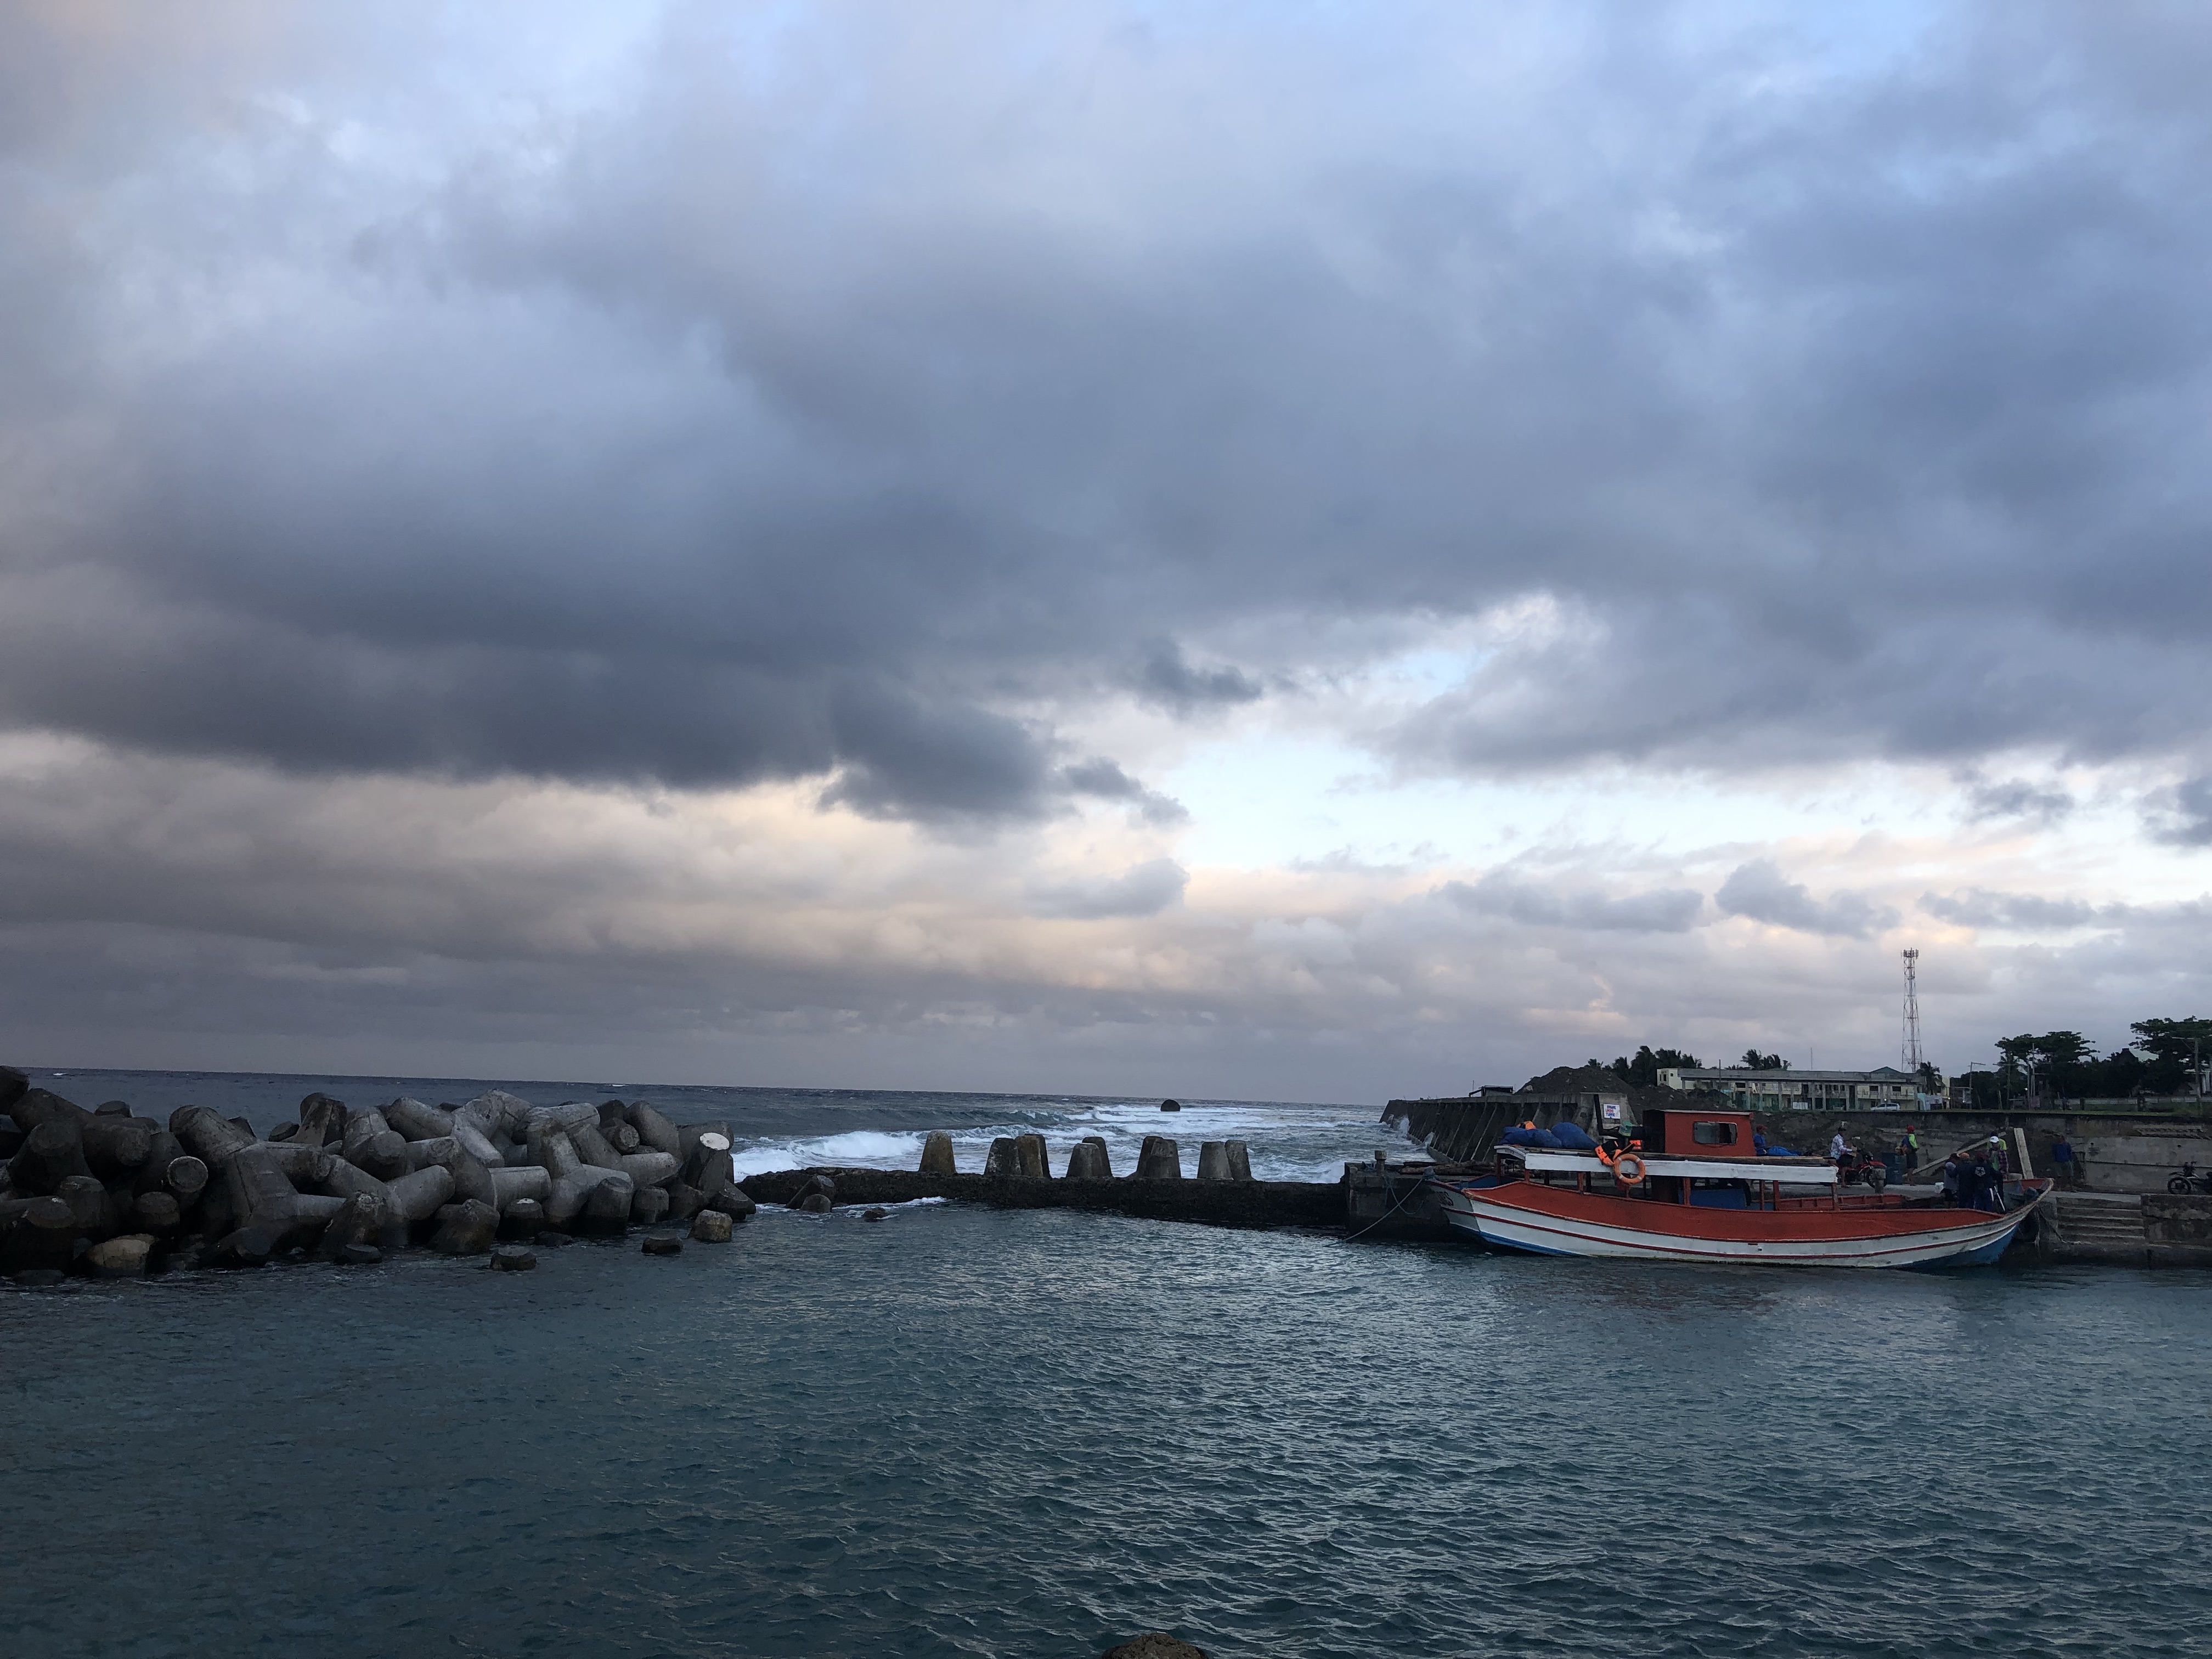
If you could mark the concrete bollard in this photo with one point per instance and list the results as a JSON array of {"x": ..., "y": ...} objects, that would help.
[
  {"x": 1002, "y": 1161},
  {"x": 1029, "y": 1158},
  {"x": 465, "y": 1229},
  {"x": 1161, "y": 1159},
  {"x": 1087, "y": 1160},
  {"x": 711, "y": 1227},
  {"x": 937, "y": 1155},
  {"x": 1213, "y": 1160},
  {"x": 1240, "y": 1161}
]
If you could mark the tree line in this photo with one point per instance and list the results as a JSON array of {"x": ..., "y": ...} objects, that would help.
[{"x": 2162, "y": 1057}]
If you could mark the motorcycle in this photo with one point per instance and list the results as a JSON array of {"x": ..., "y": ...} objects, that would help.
[
  {"x": 2189, "y": 1181},
  {"x": 1857, "y": 1168}
]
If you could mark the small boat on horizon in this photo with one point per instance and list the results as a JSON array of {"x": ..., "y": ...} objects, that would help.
[{"x": 1692, "y": 1187}]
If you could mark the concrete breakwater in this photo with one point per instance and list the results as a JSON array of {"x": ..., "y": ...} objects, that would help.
[{"x": 111, "y": 1194}]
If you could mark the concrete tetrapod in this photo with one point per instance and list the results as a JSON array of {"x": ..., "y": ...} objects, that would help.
[
  {"x": 573, "y": 1180},
  {"x": 322, "y": 1120},
  {"x": 1002, "y": 1160},
  {"x": 937, "y": 1154},
  {"x": 358, "y": 1221},
  {"x": 654, "y": 1130},
  {"x": 1240, "y": 1161},
  {"x": 419, "y": 1122},
  {"x": 1161, "y": 1159},
  {"x": 261, "y": 1196},
  {"x": 1087, "y": 1160},
  {"x": 50, "y": 1154},
  {"x": 1212, "y": 1161},
  {"x": 1029, "y": 1158},
  {"x": 465, "y": 1229},
  {"x": 373, "y": 1145}
]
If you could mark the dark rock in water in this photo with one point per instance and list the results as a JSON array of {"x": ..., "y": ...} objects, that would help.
[
  {"x": 37, "y": 1278},
  {"x": 684, "y": 1200},
  {"x": 874, "y": 1213},
  {"x": 249, "y": 1246},
  {"x": 737, "y": 1203},
  {"x": 551, "y": 1239},
  {"x": 1002, "y": 1161},
  {"x": 1088, "y": 1161},
  {"x": 119, "y": 1258},
  {"x": 712, "y": 1227},
  {"x": 662, "y": 1245},
  {"x": 937, "y": 1155},
  {"x": 1171, "y": 1105},
  {"x": 360, "y": 1256},
  {"x": 814, "y": 1184},
  {"x": 513, "y": 1261},
  {"x": 1155, "y": 1644},
  {"x": 1160, "y": 1160},
  {"x": 356, "y": 1222},
  {"x": 815, "y": 1204}
]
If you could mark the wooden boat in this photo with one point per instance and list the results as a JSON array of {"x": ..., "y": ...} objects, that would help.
[{"x": 1703, "y": 1192}]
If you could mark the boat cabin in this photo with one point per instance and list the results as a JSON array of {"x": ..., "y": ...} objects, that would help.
[{"x": 1671, "y": 1133}]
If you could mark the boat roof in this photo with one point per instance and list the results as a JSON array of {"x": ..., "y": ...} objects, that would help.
[{"x": 1795, "y": 1171}]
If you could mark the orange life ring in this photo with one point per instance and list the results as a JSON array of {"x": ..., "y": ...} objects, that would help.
[{"x": 1628, "y": 1169}]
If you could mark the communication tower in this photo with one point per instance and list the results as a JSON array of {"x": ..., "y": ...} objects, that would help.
[{"x": 1912, "y": 1011}]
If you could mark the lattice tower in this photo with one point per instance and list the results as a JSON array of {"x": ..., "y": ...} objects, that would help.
[{"x": 1912, "y": 1011}]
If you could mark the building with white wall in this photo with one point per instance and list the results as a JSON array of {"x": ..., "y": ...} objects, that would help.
[{"x": 1883, "y": 1088}]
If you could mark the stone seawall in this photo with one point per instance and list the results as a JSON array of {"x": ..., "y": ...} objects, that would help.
[{"x": 1215, "y": 1203}]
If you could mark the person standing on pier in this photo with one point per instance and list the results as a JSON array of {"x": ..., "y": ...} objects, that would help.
[{"x": 2061, "y": 1161}]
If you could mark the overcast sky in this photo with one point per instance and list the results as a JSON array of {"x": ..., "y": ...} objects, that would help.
[{"x": 1307, "y": 551}]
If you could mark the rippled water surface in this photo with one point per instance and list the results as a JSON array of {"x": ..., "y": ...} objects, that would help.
[{"x": 969, "y": 1432}]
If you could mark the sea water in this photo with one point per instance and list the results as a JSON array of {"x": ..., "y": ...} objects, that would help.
[{"x": 962, "y": 1430}]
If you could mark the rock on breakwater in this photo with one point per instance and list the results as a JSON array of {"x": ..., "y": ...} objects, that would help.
[{"x": 111, "y": 1195}]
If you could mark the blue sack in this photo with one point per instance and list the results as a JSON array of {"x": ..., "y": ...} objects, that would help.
[
  {"x": 1572, "y": 1138},
  {"x": 1519, "y": 1137}
]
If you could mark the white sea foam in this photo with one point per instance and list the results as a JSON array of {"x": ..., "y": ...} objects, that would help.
[{"x": 1287, "y": 1143}]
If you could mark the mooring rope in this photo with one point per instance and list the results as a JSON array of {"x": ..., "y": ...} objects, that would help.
[{"x": 1419, "y": 1181}]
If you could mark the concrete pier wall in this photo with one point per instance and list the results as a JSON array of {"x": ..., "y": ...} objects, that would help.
[{"x": 1217, "y": 1203}]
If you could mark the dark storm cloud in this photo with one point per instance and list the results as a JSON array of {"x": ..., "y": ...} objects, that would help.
[
  {"x": 2182, "y": 815},
  {"x": 1760, "y": 892},
  {"x": 1143, "y": 890},
  {"x": 1662, "y": 910},
  {"x": 829, "y": 397},
  {"x": 2016, "y": 799}
]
